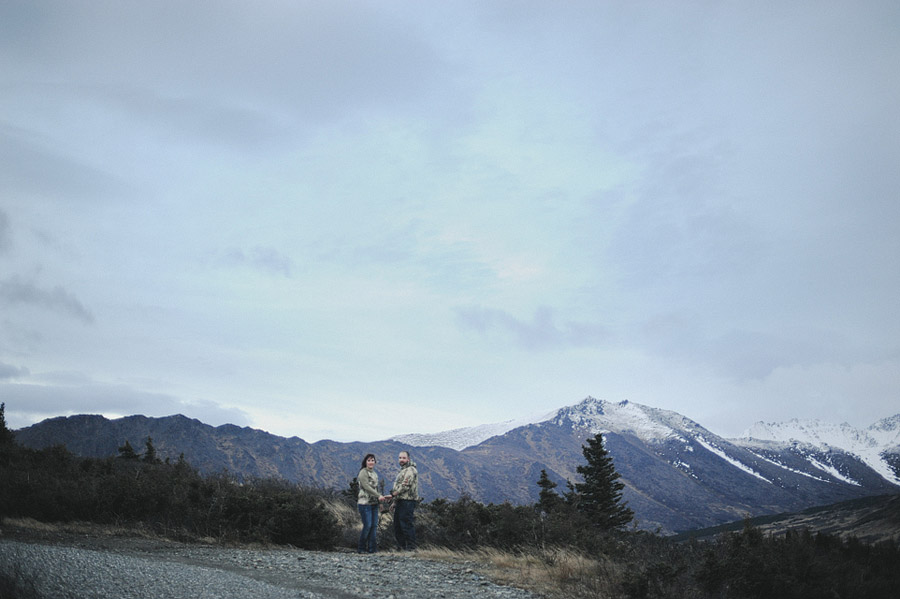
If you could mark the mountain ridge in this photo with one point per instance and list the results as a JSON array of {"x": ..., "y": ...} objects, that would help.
[
  {"x": 869, "y": 444},
  {"x": 677, "y": 474}
]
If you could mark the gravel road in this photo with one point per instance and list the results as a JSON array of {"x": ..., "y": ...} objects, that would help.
[{"x": 133, "y": 568}]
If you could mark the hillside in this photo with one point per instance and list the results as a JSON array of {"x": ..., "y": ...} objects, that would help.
[
  {"x": 869, "y": 519},
  {"x": 678, "y": 475}
]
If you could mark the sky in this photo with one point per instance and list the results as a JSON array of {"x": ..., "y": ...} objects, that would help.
[{"x": 354, "y": 219}]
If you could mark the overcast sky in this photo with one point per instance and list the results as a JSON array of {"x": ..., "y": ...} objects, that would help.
[{"x": 350, "y": 220}]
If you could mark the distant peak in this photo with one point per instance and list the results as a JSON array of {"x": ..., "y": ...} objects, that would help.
[
  {"x": 891, "y": 423},
  {"x": 625, "y": 417},
  {"x": 589, "y": 403}
]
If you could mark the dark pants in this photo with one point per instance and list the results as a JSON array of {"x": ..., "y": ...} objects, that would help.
[
  {"x": 369, "y": 515},
  {"x": 405, "y": 524}
]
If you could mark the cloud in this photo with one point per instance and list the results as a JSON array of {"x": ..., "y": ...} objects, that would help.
[
  {"x": 707, "y": 193},
  {"x": 14, "y": 291},
  {"x": 8, "y": 371},
  {"x": 860, "y": 393},
  {"x": 197, "y": 119},
  {"x": 745, "y": 354},
  {"x": 263, "y": 259},
  {"x": 317, "y": 61},
  {"x": 541, "y": 333},
  {"x": 5, "y": 239},
  {"x": 29, "y": 166},
  {"x": 29, "y": 403},
  {"x": 754, "y": 355}
]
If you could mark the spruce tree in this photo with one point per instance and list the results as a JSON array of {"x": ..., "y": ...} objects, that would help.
[
  {"x": 352, "y": 492},
  {"x": 600, "y": 495},
  {"x": 150, "y": 454},
  {"x": 126, "y": 452},
  {"x": 570, "y": 496},
  {"x": 7, "y": 437},
  {"x": 548, "y": 500}
]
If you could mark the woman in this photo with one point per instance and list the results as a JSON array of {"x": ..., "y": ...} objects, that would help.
[{"x": 367, "y": 503}]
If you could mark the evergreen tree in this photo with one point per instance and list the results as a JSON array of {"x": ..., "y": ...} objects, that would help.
[
  {"x": 548, "y": 500},
  {"x": 600, "y": 495},
  {"x": 570, "y": 496},
  {"x": 352, "y": 492},
  {"x": 182, "y": 468},
  {"x": 126, "y": 452},
  {"x": 150, "y": 454},
  {"x": 7, "y": 437}
]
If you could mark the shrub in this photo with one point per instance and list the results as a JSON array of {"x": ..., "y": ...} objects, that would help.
[{"x": 54, "y": 486}]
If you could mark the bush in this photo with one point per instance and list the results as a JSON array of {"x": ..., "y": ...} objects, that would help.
[
  {"x": 52, "y": 485},
  {"x": 467, "y": 524},
  {"x": 799, "y": 565},
  {"x": 639, "y": 564}
]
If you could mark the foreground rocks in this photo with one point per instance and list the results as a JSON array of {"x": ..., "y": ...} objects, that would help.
[{"x": 88, "y": 566}]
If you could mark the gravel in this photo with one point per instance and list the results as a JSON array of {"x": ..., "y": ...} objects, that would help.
[{"x": 126, "y": 568}]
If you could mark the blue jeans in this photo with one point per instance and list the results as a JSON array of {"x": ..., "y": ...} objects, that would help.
[
  {"x": 369, "y": 515},
  {"x": 405, "y": 524}
]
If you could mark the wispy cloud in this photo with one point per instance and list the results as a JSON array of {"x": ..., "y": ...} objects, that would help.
[
  {"x": 5, "y": 237},
  {"x": 17, "y": 291},
  {"x": 540, "y": 333},
  {"x": 31, "y": 166},
  {"x": 8, "y": 371},
  {"x": 264, "y": 259},
  {"x": 33, "y": 401}
]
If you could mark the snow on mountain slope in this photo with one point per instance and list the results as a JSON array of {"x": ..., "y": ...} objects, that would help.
[
  {"x": 460, "y": 438},
  {"x": 646, "y": 423},
  {"x": 886, "y": 431},
  {"x": 814, "y": 432},
  {"x": 656, "y": 426},
  {"x": 651, "y": 425},
  {"x": 868, "y": 445}
]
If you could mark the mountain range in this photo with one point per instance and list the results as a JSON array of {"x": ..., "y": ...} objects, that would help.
[{"x": 677, "y": 474}]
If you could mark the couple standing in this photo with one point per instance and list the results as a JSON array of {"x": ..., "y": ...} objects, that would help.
[{"x": 404, "y": 494}]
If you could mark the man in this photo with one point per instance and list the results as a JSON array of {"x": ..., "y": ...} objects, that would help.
[{"x": 405, "y": 494}]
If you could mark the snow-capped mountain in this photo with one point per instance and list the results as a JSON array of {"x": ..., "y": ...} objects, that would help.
[
  {"x": 679, "y": 474},
  {"x": 663, "y": 428},
  {"x": 460, "y": 438},
  {"x": 886, "y": 431},
  {"x": 598, "y": 415},
  {"x": 874, "y": 446},
  {"x": 821, "y": 445},
  {"x": 646, "y": 423}
]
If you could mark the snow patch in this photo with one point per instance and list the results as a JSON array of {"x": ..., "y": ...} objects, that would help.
[
  {"x": 867, "y": 445},
  {"x": 461, "y": 438},
  {"x": 788, "y": 468},
  {"x": 730, "y": 459},
  {"x": 645, "y": 423},
  {"x": 831, "y": 470}
]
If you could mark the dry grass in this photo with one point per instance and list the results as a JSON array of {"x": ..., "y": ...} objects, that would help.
[
  {"x": 345, "y": 515},
  {"x": 101, "y": 531},
  {"x": 549, "y": 572},
  {"x": 82, "y": 528}
]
